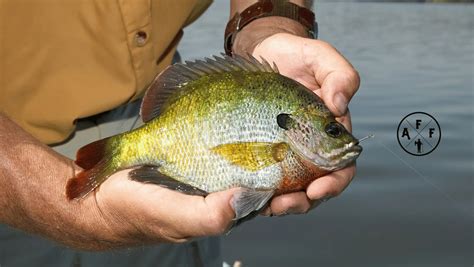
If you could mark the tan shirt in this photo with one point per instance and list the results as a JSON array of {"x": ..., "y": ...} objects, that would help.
[{"x": 61, "y": 60}]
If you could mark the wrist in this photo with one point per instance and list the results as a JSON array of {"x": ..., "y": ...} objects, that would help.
[
  {"x": 251, "y": 24},
  {"x": 258, "y": 30}
]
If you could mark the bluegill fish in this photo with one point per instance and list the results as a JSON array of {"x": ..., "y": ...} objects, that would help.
[{"x": 222, "y": 123}]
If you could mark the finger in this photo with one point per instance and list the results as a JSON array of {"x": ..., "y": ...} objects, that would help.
[
  {"x": 266, "y": 212},
  {"x": 337, "y": 89},
  {"x": 346, "y": 120},
  {"x": 292, "y": 203},
  {"x": 330, "y": 185},
  {"x": 338, "y": 79},
  {"x": 201, "y": 216},
  {"x": 168, "y": 214}
]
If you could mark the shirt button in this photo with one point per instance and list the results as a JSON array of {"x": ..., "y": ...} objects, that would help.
[{"x": 140, "y": 38}]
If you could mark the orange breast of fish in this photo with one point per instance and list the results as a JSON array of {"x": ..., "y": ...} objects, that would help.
[{"x": 297, "y": 174}]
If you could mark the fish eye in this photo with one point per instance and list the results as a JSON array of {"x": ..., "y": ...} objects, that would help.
[{"x": 333, "y": 129}]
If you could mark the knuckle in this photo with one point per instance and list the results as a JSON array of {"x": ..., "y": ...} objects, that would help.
[
  {"x": 289, "y": 202},
  {"x": 324, "y": 45},
  {"x": 171, "y": 236},
  {"x": 294, "y": 204},
  {"x": 354, "y": 78}
]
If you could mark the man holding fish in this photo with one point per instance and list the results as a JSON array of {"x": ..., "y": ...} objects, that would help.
[{"x": 267, "y": 137}]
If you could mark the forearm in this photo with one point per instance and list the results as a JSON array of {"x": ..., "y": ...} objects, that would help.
[
  {"x": 121, "y": 213},
  {"x": 33, "y": 179},
  {"x": 258, "y": 30}
]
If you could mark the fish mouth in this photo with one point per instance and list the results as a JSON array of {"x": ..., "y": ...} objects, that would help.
[
  {"x": 347, "y": 156},
  {"x": 336, "y": 159}
]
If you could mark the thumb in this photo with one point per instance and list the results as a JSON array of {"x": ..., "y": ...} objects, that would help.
[
  {"x": 337, "y": 89},
  {"x": 214, "y": 214}
]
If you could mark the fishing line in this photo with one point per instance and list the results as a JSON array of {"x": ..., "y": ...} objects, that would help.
[
  {"x": 424, "y": 178},
  {"x": 365, "y": 138},
  {"x": 135, "y": 122}
]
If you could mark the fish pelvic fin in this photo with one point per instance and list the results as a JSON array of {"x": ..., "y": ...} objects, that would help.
[
  {"x": 95, "y": 159},
  {"x": 249, "y": 202},
  {"x": 163, "y": 88},
  {"x": 253, "y": 156}
]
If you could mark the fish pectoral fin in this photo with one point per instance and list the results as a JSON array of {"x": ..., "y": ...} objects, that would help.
[
  {"x": 151, "y": 174},
  {"x": 253, "y": 156},
  {"x": 248, "y": 201}
]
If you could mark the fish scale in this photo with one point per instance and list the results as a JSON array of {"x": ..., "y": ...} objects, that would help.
[
  {"x": 222, "y": 123},
  {"x": 189, "y": 157}
]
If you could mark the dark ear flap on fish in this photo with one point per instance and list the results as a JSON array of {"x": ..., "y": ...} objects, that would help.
[
  {"x": 249, "y": 200},
  {"x": 253, "y": 156},
  {"x": 285, "y": 121},
  {"x": 151, "y": 174},
  {"x": 168, "y": 82}
]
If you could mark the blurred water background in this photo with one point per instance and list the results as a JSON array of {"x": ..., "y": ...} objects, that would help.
[{"x": 400, "y": 210}]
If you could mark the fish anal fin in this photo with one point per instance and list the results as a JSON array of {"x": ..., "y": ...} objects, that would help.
[
  {"x": 252, "y": 156},
  {"x": 249, "y": 201},
  {"x": 151, "y": 174}
]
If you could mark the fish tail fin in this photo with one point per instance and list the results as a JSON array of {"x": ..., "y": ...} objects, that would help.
[{"x": 94, "y": 158}]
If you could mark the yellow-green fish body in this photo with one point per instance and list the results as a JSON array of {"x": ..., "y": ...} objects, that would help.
[{"x": 225, "y": 123}]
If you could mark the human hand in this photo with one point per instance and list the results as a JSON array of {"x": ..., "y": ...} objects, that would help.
[
  {"x": 321, "y": 68},
  {"x": 150, "y": 213},
  {"x": 120, "y": 213},
  {"x": 145, "y": 213}
]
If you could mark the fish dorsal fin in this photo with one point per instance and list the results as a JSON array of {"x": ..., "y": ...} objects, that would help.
[
  {"x": 178, "y": 75},
  {"x": 252, "y": 156}
]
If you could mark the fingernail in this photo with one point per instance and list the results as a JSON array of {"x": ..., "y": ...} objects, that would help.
[
  {"x": 340, "y": 102},
  {"x": 325, "y": 198},
  {"x": 266, "y": 212}
]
